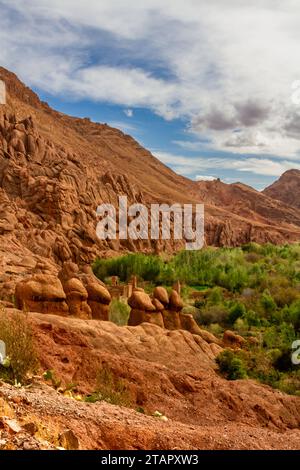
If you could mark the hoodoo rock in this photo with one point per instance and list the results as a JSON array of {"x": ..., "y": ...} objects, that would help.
[
  {"x": 161, "y": 294},
  {"x": 166, "y": 312},
  {"x": 41, "y": 293},
  {"x": 159, "y": 309},
  {"x": 98, "y": 297},
  {"x": 140, "y": 300},
  {"x": 77, "y": 297},
  {"x": 71, "y": 292},
  {"x": 171, "y": 312},
  {"x": 143, "y": 309},
  {"x": 157, "y": 305}
]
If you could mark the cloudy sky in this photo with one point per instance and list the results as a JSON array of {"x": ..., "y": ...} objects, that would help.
[{"x": 212, "y": 88}]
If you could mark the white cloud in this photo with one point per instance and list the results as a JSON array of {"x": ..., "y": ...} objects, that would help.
[
  {"x": 123, "y": 126},
  {"x": 205, "y": 178},
  {"x": 223, "y": 69},
  {"x": 128, "y": 112},
  {"x": 189, "y": 166}
]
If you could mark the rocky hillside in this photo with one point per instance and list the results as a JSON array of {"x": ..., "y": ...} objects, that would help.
[
  {"x": 55, "y": 170},
  {"x": 286, "y": 189},
  {"x": 244, "y": 201}
]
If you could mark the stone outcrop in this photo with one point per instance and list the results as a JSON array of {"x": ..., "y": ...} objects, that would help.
[
  {"x": 165, "y": 311},
  {"x": 71, "y": 292},
  {"x": 286, "y": 189},
  {"x": 144, "y": 310},
  {"x": 41, "y": 293},
  {"x": 232, "y": 340},
  {"x": 77, "y": 299}
]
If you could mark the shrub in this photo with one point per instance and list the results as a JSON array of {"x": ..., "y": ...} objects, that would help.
[
  {"x": 215, "y": 329},
  {"x": 241, "y": 326},
  {"x": 231, "y": 366},
  {"x": 292, "y": 315},
  {"x": 17, "y": 335},
  {"x": 281, "y": 336},
  {"x": 213, "y": 314},
  {"x": 215, "y": 296},
  {"x": 252, "y": 318},
  {"x": 146, "y": 267},
  {"x": 285, "y": 296},
  {"x": 111, "y": 389},
  {"x": 267, "y": 302},
  {"x": 119, "y": 312},
  {"x": 238, "y": 310}
]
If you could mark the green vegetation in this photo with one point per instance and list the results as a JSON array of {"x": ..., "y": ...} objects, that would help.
[
  {"x": 119, "y": 312},
  {"x": 231, "y": 366},
  {"x": 21, "y": 360},
  {"x": 110, "y": 388},
  {"x": 253, "y": 290}
]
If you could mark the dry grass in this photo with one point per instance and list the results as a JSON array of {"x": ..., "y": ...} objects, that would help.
[{"x": 16, "y": 333}]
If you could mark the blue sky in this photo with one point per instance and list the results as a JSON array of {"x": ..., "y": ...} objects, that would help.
[{"x": 212, "y": 92}]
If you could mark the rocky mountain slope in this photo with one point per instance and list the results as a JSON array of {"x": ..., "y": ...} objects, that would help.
[
  {"x": 56, "y": 169},
  {"x": 286, "y": 189}
]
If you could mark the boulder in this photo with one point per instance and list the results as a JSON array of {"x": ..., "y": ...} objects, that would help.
[
  {"x": 41, "y": 293},
  {"x": 137, "y": 317},
  {"x": 189, "y": 323},
  {"x": 141, "y": 301},
  {"x": 99, "y": 311},
  {"x": 231, "y": 339},
  {"x": 69, "y": 270},
  {"x": 76, "y": 296},
  {"x": 161, "y": 294},
  {"x": 175, "y": 302},
  {"x": 171, "y": 320},
  {"x": 157, "y": 305},
  {"x": 98, "y": 296}
]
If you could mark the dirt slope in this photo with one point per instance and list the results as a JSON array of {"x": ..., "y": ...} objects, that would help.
[{"x": 172, "y": 372}]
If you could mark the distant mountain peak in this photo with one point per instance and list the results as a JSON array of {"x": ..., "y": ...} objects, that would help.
[{"x": 286, "y": 189}]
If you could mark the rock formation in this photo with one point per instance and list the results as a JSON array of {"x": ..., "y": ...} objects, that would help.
[
  {"x": 41, "y": 293},
  {"x": 75, "y": 293},
  {"x": 233, "y": 340},
  {"x": 164, "y": 311},
  {"x": 144, "y": 310}
]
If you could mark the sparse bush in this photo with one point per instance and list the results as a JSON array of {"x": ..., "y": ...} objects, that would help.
[
  {"x": 285, "y": 296},
  {"x": 238, "y": 310},
  {"x": 16, "y": 333},
  {"x": 213, "y": 314},
  {"x": 215, "y": 329},
  {"x": 268, "y": 302},
  {"x": 215, "y": 296},
  {"x": 252, "y": 318},
  {"x": 111, "y": 389},
  {"x": 119, "y": 312},
  {"x": 231, "y": 366}
]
